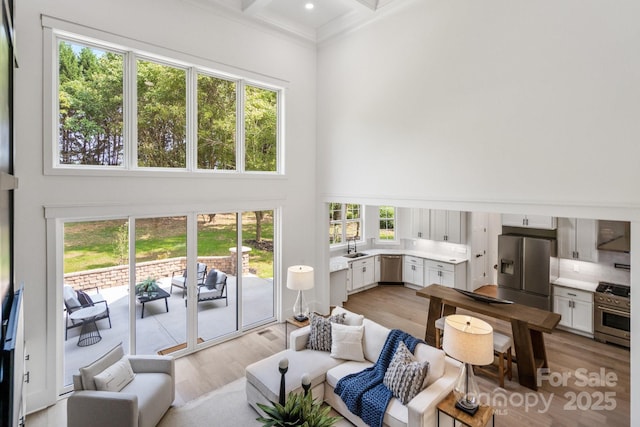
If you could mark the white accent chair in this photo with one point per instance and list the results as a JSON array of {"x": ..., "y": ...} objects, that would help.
[{"x": 141, "y": 403}]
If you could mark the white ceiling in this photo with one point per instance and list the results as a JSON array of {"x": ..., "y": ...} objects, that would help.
[{"x": 327, "y": 18}]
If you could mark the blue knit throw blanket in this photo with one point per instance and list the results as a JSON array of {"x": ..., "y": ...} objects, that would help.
[{"x": 364, "y": 392}]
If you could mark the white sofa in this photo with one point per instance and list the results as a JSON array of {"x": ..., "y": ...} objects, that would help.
[{"x": 263, "y": 377}]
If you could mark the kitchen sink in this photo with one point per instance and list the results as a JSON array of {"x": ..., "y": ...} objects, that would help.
[{"x": 355, "y": 255}]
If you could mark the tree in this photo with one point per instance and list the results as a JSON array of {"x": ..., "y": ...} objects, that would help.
[
  {"x": 260, "y": 129},
  {"x": 259, "y": 217}
]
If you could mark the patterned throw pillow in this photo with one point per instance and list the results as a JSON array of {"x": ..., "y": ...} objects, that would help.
[
  {"x": 320, "y": 336},
  {"x": 405, "y": 374}
]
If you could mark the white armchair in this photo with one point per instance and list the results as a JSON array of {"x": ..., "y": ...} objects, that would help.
[{"x": 140, "y": 403}]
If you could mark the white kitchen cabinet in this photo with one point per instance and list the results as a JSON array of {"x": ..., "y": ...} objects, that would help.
[
  {"x": 446, "y": 274},
  {"x": 448, "y": 226},
  {"x": 362, "y": 273},
  {"x": 577, "y": 239},
  {"x": 529, "y": 221},
  {"x": 338, "y": 287},
  {"x": 413, "y": 271},
  {"x": 376, "y": 276},
  {"x": 575, "y": 308},
  {"x": 420, "y": 219}
]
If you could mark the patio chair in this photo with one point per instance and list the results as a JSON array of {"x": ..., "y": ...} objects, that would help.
[
  {"x": 214, "y": 287},
  {"x": 179, "y": 278},
  {"x": 72, "y": 303}
]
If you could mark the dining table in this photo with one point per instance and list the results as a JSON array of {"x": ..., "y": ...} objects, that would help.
[{"x": 528, "y": 326}]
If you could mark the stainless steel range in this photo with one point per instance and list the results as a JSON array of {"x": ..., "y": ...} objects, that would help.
[{"x": 612, "y": 313}]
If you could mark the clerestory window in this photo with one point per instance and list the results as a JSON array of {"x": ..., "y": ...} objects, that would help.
[{"x": 118, "y": 108}]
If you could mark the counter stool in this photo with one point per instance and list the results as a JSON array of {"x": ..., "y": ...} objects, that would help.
[{"x": 502, "y": 345}]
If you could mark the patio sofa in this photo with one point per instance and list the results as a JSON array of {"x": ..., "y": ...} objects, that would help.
[{"x": 324, "y": 372}]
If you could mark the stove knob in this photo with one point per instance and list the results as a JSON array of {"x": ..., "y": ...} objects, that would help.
[
  {"x": 608, "y": 299},
  {"x": 616, "y": 301}
]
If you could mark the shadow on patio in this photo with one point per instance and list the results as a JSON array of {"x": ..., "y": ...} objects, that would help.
[{"x": 162, "y": 330}]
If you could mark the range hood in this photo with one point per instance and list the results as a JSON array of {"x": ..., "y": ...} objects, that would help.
[{"x": 614, "y": 236}]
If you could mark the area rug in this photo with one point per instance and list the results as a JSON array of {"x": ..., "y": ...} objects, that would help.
[{"x": 226, "y": 406}]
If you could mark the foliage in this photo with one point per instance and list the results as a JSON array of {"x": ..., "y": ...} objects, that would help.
[
  {"x": 299, "y": 410},
  {"x": 90, "y": 245},
  {"x": 121, "y": 243},
  {"x": 91, "y": 120},
  {"x": 147, "y": 285}
]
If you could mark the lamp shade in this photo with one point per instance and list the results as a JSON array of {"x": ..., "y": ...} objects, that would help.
[
  {"x": 468, "y": 339},
  {"x": 300, "y": 277}
]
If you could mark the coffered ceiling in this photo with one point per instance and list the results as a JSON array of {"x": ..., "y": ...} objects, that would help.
[{"x": 312, "y": 20}]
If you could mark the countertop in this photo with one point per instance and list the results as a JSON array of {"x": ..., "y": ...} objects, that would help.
[
  {"x": 338, "y": 263},
  {"x": 576, "y": 284}
]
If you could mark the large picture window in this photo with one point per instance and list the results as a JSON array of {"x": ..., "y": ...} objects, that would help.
[
  {"x": 228, "y": 125},
  {"x": 345, "y": 222}
]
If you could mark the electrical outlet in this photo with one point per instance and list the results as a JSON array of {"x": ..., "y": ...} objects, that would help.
[{"x": 576, "y": 268}]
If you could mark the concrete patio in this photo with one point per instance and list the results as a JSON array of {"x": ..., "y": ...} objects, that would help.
[{"x": 162, "y": 330}]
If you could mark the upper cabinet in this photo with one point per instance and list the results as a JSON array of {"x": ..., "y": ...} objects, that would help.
[
  {"x": 448, "y": 226},
  {"x": 420, "y": 219},
  {"x": 529, "y": 221},
  {"x": 577, "y": 239}
]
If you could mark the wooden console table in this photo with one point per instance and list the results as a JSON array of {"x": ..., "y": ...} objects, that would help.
[{"x": 528, "y": 324}]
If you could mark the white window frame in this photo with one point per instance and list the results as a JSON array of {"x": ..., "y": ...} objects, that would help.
[
  {"x": 395, "y": 225},
  {"x": 343, "y": 221},
  {"x": 56, "y": 30}
]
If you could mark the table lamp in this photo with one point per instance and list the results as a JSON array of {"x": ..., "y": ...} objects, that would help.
[
  {"x": 300, "y": 278},
  {"x": 470, "y": 341}
]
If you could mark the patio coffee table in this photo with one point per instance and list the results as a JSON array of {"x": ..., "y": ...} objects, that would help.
[
  {"x": 89, "y": 333},
  {"x": 155, "y": 295}
]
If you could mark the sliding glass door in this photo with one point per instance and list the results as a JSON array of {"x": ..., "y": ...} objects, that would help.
[
  {"x": 139, "y": 275},
  {"x": 217, "y": 298}
]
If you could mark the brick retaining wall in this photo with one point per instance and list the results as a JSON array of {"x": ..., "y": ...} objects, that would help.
[{"x": 119, "y": 275}]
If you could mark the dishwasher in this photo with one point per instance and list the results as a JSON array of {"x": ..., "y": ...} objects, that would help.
[{"x": 391, "y": 269}]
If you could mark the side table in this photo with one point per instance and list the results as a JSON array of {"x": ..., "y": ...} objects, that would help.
[
  {"x": 294, "y": 322},
  {"x": 480, "y": 419},
  {"x": 89, "y": 333}
]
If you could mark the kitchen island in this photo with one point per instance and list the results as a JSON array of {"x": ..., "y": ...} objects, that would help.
[{"x": 528, "y": 324}]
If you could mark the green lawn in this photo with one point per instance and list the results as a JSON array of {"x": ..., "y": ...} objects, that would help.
[{"x": 96, "y": 244}]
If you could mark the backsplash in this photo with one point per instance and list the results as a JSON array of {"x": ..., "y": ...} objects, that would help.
[
  {"x": 603, "y": 270},
  {"x": 435, "y": 247}
]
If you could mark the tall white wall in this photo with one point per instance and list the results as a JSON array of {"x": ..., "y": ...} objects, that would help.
[
  {"x": 496, "y": 106},
  {"x": 184, "y": 28},
  {"x": 516, "y": 102}
]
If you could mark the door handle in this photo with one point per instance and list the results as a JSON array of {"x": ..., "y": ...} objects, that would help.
[{"x": 478, "y": 255}]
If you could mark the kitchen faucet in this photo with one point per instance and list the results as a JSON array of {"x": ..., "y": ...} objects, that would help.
[{"x": 349, "y": 239}]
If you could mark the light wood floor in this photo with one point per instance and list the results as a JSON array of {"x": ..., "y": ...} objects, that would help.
[{"x": 570, "y": 404}]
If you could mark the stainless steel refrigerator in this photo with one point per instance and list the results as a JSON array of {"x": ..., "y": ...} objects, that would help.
[{"x": 524, "y": 269}]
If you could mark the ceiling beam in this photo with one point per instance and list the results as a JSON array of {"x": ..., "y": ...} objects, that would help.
[
  {"x": 369, "y": 4},
  {"x": 251, "y": 7}
]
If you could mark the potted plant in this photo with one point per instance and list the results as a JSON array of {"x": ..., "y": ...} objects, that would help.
[
  {"x": 299, "y": 410},
  {"x": 147, "y": 286}
]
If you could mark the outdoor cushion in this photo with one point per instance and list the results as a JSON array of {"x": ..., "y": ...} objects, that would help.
[
  {"x": 84, "y": 299},
  {"x": 212, "y": 279},
  {"x": 70, "y": 297}
]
